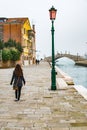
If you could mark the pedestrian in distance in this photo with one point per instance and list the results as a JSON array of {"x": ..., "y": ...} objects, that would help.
[
  {"x": 18, "y": 80},
  {"x": 36, "y": 61}
]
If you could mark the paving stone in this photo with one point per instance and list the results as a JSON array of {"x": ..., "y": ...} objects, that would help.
[
  {"x": 78, "y": 128},
  {"x": 60, "y": 128}
]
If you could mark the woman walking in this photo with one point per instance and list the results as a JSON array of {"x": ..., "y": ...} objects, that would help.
[{"x": 17, "y": 80}]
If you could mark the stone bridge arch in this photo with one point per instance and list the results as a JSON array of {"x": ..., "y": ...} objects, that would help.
[{"x": 73, "y": 57}]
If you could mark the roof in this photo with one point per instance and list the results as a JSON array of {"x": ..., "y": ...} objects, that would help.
[
  {"x": 17, "y": 19},
  {"x": 9, "y": 20}
]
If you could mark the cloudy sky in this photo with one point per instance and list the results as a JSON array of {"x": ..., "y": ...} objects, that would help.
[{"x": 70, "y": 24}]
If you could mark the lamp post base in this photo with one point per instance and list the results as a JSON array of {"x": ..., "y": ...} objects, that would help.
[{"x": 53, "y": 79}]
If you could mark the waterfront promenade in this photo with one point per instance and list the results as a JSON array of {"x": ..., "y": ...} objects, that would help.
[{"x": 40, "y": 108}]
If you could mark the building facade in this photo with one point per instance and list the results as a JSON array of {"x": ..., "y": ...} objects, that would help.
[{"x": 20, "y": 30}]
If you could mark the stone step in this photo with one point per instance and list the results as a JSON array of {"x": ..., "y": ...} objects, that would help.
[
  {"x": 82, "y": 90},
  {"x": 61, "y": 84}
]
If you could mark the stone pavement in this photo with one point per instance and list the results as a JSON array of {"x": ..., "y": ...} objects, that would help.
[{"x": 40, "y": 108}]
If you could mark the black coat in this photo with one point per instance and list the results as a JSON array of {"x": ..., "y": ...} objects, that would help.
[{"x": 19, "y": 81}]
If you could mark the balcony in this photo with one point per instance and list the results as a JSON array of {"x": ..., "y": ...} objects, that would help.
[{"x": 30, "y": 34}]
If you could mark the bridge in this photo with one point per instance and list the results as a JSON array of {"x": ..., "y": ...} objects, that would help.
[{"x": 70, "y": 56}]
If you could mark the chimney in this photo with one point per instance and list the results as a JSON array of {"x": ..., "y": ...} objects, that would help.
[{"x": 33, "y": 26}]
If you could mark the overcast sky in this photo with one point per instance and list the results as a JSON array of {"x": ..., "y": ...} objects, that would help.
[{"x": 70, "y": 24}]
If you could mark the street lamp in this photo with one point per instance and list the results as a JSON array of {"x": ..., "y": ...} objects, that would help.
[{"x": 52, "y": 13}]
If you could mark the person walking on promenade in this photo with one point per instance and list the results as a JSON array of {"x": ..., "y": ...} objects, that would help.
[{"x": 18, "y": 79}]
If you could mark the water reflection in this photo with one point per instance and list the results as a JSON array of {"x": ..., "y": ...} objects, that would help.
[{"x": 78, "y": 73}]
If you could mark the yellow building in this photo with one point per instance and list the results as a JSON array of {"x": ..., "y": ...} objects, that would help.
[{"x": 28, "y": 42}]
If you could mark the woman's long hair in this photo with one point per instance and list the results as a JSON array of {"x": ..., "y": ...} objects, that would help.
[{"x": 18, "y": 70}]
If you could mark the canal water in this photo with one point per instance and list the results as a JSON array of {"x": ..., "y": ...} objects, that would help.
[{"x": 78, "y": 73}]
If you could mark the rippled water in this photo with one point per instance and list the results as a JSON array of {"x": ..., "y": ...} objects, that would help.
[{"x": 78, "y": 73}]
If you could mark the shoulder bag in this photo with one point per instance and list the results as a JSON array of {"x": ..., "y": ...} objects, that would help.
[{"x": 15, "y": 87}]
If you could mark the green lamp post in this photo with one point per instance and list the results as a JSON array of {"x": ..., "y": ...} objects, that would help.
[{"x": 52, "y": 13}]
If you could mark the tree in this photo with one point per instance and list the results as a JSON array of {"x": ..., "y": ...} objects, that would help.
[
  {"x": 10, "y": 43},
  {"x": 11, "y": 50},
  {"x": 6, "y": 54},
  {"x": 13, "y": 43},
  {"x": 19, "y": 47},
  {"x": 15, "y": 54},
  {"x": 1, "y": 44}
]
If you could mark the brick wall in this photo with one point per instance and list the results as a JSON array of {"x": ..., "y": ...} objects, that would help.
[{"x": 12, "y": 31}]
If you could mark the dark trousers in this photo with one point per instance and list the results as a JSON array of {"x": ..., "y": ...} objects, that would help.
[{"x": 18, "y": 93}]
